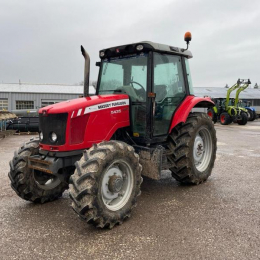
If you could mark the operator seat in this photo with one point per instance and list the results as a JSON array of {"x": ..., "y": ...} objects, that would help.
[{"x": 161, "y": 92}]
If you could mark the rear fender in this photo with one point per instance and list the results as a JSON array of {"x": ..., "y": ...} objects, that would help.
[{"x": 186, "y": 106}]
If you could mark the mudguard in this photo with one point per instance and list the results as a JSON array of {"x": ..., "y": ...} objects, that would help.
[
  {"x": 250, "y": 108},
  {"x": 186, "y": 106}
]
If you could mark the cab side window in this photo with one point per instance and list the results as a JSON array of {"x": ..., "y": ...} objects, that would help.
[{"x": 169, "y": 88}]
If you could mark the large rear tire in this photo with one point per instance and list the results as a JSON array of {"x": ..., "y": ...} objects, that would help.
[
  {"x": 106, "y": 183},
  {"x": 193, "y": 146},
  {"x": 32, "y": 185}
]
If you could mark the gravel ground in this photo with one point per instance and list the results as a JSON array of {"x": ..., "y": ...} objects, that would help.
[{"x": 216, "y": 220}]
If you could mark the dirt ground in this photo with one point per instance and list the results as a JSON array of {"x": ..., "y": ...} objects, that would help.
[{"x": 219, "y": 219}]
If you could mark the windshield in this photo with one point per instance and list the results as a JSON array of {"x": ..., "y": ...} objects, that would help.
[{"x": 125, "y": 75}]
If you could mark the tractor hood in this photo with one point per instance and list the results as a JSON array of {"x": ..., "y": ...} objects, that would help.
[
  {"x": 80, "y": 104},
  {"x": 77, "y": 124}
]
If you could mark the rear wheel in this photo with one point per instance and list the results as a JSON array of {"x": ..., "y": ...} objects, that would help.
[
  {"x": 106, "y": 183},
  {"x": 225, "y": 118},
  {"x": 193, "y": 146},
  {"x": 243, "y": 119},
  {"x": 212, "y": 114},
  {"x": 33, "y": 185}
]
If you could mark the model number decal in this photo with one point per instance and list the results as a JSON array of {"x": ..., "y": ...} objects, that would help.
[{"x": 116, "y": 111}]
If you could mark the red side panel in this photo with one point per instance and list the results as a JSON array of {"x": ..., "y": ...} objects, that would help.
[{"x": 186, "y": 106}]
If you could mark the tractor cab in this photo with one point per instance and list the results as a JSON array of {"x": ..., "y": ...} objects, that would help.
[{"x": 156, "y": 78}]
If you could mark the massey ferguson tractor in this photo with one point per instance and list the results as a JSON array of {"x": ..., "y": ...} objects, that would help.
[{"x": 140, "y": 122}]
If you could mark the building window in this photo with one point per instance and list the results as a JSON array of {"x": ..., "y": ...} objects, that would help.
[
  {"x": 47, "y": 102},
  {"x": 24, "y": 104},
  {"x": 4, "y": 104}
]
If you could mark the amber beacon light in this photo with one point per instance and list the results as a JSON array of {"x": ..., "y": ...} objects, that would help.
[{"x": 187, "y": 39}]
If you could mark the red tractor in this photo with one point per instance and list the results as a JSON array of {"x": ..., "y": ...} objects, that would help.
[{"x": 140, "y": 122}]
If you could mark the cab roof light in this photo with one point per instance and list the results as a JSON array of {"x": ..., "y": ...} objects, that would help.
[
  {"x": 187, "y": 39},
  {"x": 139, "y": 47}
]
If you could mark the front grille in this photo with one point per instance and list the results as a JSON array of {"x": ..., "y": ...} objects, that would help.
[{"x": 53, "y": 123}]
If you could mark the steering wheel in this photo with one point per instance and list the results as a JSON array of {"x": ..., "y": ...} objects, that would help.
[{"x": 140, "y": 92}]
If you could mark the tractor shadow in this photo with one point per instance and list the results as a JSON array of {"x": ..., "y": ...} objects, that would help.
[{"x": 159, "y": 198}]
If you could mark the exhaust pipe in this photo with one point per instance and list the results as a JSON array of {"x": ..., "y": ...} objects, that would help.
[{"x": 86, "y": 73}]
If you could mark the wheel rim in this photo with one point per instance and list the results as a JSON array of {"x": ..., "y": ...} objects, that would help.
[
  {"x": 117, "y": 185},
  {"x": 210, "y": 114},
  {"x": 46, "y": 181},
  {"x": 202, "y": 149},
  {"x": 222, "y": 119}
]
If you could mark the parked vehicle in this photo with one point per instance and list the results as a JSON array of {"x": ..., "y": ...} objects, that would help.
[
  {"x": 245, "y": 84},
  {"x": 251, "y": 112},
  {"x": 227, "y": 112},
  {"x": 23, "y": 124},
  {"x": 104, "y": 143}
]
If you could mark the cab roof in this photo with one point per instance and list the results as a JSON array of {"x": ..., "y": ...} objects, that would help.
[{"x": 147, "y": 46}]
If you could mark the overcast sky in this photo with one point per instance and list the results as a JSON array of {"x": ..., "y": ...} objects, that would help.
[{"x": 40, "y": 40}]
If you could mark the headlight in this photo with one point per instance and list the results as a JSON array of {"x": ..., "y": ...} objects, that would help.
[
  {"x": 41, "y": 136},
  {"x": 54, "y": 137}
]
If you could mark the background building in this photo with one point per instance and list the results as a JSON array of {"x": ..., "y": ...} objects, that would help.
[{"x": 33, "y": 96}]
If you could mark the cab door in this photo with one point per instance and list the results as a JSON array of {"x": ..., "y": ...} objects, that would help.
[{"x": 169, "y": 86}]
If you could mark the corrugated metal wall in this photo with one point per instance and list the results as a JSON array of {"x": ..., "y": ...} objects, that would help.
[{"x": 37, "y": 98}]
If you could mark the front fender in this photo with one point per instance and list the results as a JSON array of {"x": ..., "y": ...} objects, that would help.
[
  {"x": 250, "y": 108},
  {"x": 182, "y": 112}
]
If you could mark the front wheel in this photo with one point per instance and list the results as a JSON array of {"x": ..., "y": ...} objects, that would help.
[
  {"x": 225, "y": 118},
  {"x": 243, "y": 119},
  {"x": 251, "y": 115},
  {"x": 33, "y": 185},
  {"x": 193, "y": 146},
  {"x": 106, "y": 183}
]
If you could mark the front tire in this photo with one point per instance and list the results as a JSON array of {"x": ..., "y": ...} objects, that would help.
[
  {"x": 251, "y": 115},
  {"x": 243, "y": 119},
  {"x": 106, "y": 183},
  {"x": 225, "y": 118},
  {"x": 193, "y": 145},
  {"x": 33, "y": 185}
]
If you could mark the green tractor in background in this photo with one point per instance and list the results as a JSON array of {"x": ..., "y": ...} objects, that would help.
[
  {"x": 238, "y": 104},
  {"x": 225, "y": 111}
]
